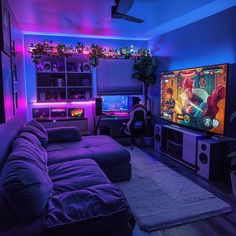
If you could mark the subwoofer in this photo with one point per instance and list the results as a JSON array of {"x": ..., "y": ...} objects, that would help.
[
  {"x": 157, "y": 137},
  {"x": 210, "y": 158},
  {"x": 98, "y": 106}
]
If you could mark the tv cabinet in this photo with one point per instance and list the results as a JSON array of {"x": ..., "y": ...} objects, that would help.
[{"x": 181, "y": 144}]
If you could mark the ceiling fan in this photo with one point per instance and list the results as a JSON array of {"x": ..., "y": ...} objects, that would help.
[{"x": 121, "y": 7}]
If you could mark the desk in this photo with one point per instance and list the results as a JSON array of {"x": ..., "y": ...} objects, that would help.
[{"x": 113, "y": 122}]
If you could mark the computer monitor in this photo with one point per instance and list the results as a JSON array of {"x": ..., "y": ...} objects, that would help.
[
  {"x": 76, "y": 112},
  {"x": 115, "y": 103}
]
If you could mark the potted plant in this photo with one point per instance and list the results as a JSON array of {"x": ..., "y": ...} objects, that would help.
[
  {"x": 144, "y": 68},
  {"x": 149, "y": 132}
]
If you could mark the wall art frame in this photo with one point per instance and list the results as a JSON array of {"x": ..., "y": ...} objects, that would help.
[
  {"x": 5, "y": 30},
  {"x": 6, "y": 89}
]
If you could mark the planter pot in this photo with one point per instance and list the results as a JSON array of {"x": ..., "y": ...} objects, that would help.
[
  {"x": 233, "y": 182},
  {"x": 148, "y": 140}
]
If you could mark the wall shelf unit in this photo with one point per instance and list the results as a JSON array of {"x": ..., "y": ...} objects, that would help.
[{"x": 64, "y": 79}]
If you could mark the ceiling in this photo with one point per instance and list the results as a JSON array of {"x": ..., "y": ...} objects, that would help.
[{"x": 92, "y": 17}]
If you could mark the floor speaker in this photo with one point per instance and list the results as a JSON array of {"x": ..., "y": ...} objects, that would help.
[
  {"x": 157, "y": 137},
  {"x": 135, "y": 100},
  {"x": 98, "y": 106},
  {"x": 210, "y": 159}
]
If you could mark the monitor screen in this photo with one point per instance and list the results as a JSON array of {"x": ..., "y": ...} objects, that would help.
[
  {"x": 39, "y": 113},
  {"x": 58, "y": 112},
  {"x": 195, "y": 97},
  {"x": 76, "y": 112},
  {"x": 115, "y": 103}
]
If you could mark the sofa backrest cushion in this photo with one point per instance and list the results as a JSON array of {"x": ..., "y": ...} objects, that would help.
[
  {"x": 38, "y": 130},
  {"x": 7, "y": 216},
  {"x": 37, "y": 151},
  {"x": 64, "y": 134},
  {"x": 25, "y": 181}
]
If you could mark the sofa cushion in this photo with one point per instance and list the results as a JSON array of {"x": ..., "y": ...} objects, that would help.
[
  {"x": 64, "y": 134},
  {"x": 76, "y": 175},
  {"x": 102, "y": 206},
  {"x": 25, "y": 181},
  {"x": 38, "y": 130},
  {"x": 103, "y": 149}
]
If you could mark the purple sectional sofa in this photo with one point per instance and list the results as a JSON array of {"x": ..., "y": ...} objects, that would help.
[
  {"x": 54, "y": 183},
  {"x": 112, "y": 157}
]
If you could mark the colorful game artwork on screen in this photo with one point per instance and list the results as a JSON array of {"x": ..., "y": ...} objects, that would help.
[
  {"x": 76, "y": 112},
  {"x": 195, "y": 97},
  {"x": 115, "y": 103}
]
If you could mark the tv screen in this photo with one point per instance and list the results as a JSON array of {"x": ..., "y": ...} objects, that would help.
[
  {"x": 114, "y": 103},
  {"x": 195, "y": 97}
]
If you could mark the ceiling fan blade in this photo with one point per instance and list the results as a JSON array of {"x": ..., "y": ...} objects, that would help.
[
  {"x": 126, "y": 17},
  {"x": 124, "y": 6}
]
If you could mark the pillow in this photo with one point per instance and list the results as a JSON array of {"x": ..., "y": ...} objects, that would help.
[
  {"x": 64, "y": 134},
  {"x": 38, "y": 130},
  {"x": 24, "y": 180}
]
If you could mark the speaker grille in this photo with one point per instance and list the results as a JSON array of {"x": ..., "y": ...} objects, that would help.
[
  {"x": 203, "y": 158},
  {"x": 158, "y": 137},
  {"x": 203, "y": 147},
  {"x": 98, "y": 103}
]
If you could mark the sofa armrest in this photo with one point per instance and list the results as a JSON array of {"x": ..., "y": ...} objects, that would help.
[{"x": 64, "y": 134}]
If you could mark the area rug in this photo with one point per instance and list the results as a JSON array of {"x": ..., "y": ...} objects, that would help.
[{"x": 161, "y": 198}]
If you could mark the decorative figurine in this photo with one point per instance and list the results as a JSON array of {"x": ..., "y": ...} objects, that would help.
[{"x": 54, "y": 67}]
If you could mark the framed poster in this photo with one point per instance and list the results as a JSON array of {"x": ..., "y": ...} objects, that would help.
[
  {"x": 6, "y": 89},
  {"x": 5, "y": 30}
]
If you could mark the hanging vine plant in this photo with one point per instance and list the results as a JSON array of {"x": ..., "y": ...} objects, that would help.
[
  {"x": 39, "y": 50},
  {"x": 94, "y": 52},
  {"x": 47, "y": 49}
]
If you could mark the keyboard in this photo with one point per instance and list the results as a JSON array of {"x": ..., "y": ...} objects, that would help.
[
  {"x": 120, "y": 113},
  {"x": 115, "y": 114}
]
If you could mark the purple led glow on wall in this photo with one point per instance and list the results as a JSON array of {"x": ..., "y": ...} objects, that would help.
[{"x": 63, "y": 103}]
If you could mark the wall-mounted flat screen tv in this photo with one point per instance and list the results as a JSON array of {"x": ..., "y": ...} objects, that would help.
[
  {"x": 115, "y": 103},
  {"x": 195, "y": 97}
]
